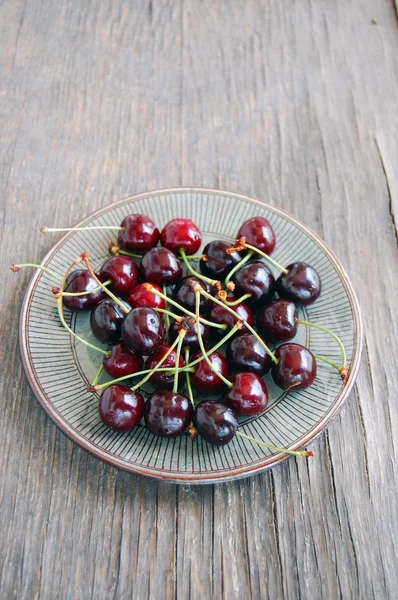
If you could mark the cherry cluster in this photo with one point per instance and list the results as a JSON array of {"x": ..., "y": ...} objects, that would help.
[{"x": 166, "y": 323}]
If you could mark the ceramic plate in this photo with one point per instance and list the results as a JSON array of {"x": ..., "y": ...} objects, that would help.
[{"x": 59, "y": 369}]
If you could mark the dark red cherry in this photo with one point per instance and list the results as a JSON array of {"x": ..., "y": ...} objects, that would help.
[
  {"x": 259, "y": 233},
  {"x": 122, "y": 271},
  {"x": 122, "y": 361},
  {"x": 120, "y": 407},
  {"x": 205, "y": 379},
  {"x": 160, "y": 379},
  {"x": 167, "y": 413},
  {"x": 301, "y": 284},
  {"x": 245, "y": 353},
  {"x": 143, "y": 330},
  {"x": 248, "y": 395},
  {"x": 218, "y": 262},
  {"x": 106, "y": 321},
  {"x": 184, "y": 294},
  {"x": 277, "y": 320},
  {"x": 81, "y": 281},
  {"x": 140, "y": 233},
  {"x": 160, "y": 265},
  {"x": 139, "y": 296},
  {"x": 191, "y": 335},
  {"x": 255, "y": 278},
  {"x": 221, "y": 315},
  {"x": 181, "y": 234},
  {"x": 296, "y": 369},
  {"x": 215, "y": 422}
]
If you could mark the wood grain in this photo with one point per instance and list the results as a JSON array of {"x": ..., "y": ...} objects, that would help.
[{"x": 293, "y": 102}]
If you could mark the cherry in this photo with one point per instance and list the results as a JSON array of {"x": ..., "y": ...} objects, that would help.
[
  {"x": 191, "y": 335},
  {"x": 215, "y": 422},
  {"x": 221, "y": 315},
  {"x": 160, "y": 265},
  {"x": 277, "y": 320},
  {"x": 259, "y": 233},
  {"x": 122, "y": 361},
  {"x": 120, "y": 407},
  {"x": 181, "y": 234},
  {"x": 248, "y": 395},
  {"x": 296, "y": 368},
  {"x": 143, "y": 330},
  {"x": 140, "y": 233},
  {"x": 246, "y": 353},
  {"x": 140, "y": 296},
  {"x": 160, "y": 379},
  {"x": 301, "y": 284},
  {"x": 204, "y": 379},
  {"x": 81, "y": 281},
  {"x": 184, "y": 294},
  {"x": 256, "y": 279},
  {"x": 167, "y": 413},
  {"x": 106, "y": 321},
  {"x": 122, "y": 271},
  {"x": 218, "y": 262}
]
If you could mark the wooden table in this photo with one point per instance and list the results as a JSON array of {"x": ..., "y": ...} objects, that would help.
[{"x": 295, "y": 102}]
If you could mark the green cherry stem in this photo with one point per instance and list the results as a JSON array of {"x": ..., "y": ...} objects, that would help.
[
  {"x": 97, "y": 388},
  {"x": 62, "y": 319},
  {"x": 343, "y": 369},
  {"x": 237, "y": 267},
  {"x": 200, "y": 340},
  {"x": 327, "y": 361},
  {"x": 181, "y": 336},
  {"x": 124, "y": 308},
  {"x": 57, "y": 291},
  {"x": 178, "y": 318},
  {"x": 236, "y": 302},
  {"x": 267, "y": 257},
  {"x": 113, "y": 249},
  {"x": 191, "y": 270},
  {"x": 55, "y": 229},
  {"x": 98, "y": 375},
  {"x": 156, "y": 368},
  {"x": 16, "y": 268},
  {"x": 188, "y": 379},
  {"x": 294, "y": 452},
  {"x": 166, "y": 314},
  {"x": 235, "y": 314}
]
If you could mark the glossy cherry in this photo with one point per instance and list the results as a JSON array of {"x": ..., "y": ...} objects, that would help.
[
  {"x": 160, "y": 379},
  {"x": 160, "y": 265},
  {"x": 184, "y": 294},
  {"x": 167, "y": 413},
  {"x": 255, "y": 278},
  {"x": 248, "y": 395},
  {"x": 120, "y": 408},
  {"x": 204, "y": 379},
  {"x": 277, "y": 320},
  {"x": 296, "y": 369},
  {"x": 122, "y": 271},
  {"x": 218, "y": 262},
  {"x": 191, "y": 335},
  {"x": 181, "y": 234},
  {"x": 301, "y": 284},
  {"x": 245, "y": 353},
  {"x": 122, "y": 361},
  {"x": 140, "y": 233},
  {"x": 81, "y": 281},
  {"x": 106, "y": 321},
  {"x": 221, "y": 315},
  {"x": 139, "y": 296},
  {"x": 259, "y": 233},
  {"x": 215, "y": 422},
  {"x": 143, "y": 330}
]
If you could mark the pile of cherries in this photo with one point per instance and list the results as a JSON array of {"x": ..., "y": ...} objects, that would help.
[{"x": 166, "y": 326}]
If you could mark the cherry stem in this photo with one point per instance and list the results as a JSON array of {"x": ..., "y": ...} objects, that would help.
[
  {"x": 62, "y": 319},
  {"x": 294, "y": 452},
  {"x": 98, "y": 375},
  {"x": 15, "y": 269},
  {"x": 343, "y": 369},
  {"x": 238, "y": 266},
  {"x": 156, "y": 368},
  {"x": 188, "y": 379},
  {"x": 267, "y": 257},
  {"x": 86, "y": 292},
  {"x": 200, "y": 340},
  {"x": 192, "y": 271},
  {"x": 55, "y": 229},
  {"x": 195, "y": 257},
  {"x": 117, "y": 250},
  {"x": 249, "y": 327},
  {"x": 166, "y": 314},
  {"x": 181, "y": 335},
  {"x": 238, "y": 301},
  {"x": 124, "y": 308},
  {"x": 150, "y": 288},
  {"x": 96, "y": 388}
]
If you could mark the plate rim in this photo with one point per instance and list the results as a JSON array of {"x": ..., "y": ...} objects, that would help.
[{"x": 191, "y": 478}]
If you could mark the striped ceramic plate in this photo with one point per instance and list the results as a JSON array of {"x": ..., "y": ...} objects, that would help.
[{"x": 59, "y": 369}]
